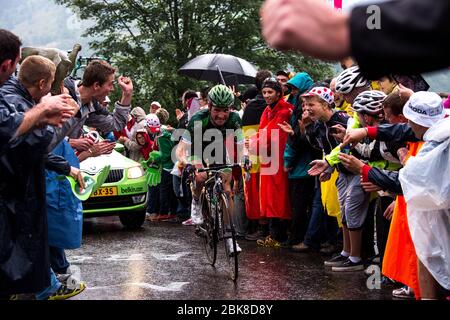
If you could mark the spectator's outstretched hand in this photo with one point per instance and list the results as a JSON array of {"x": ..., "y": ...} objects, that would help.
[
  {"x": 286, "y": 127},
  {"x": 389, "y": 211},
  {"x": 103, "y": 147},
  {"x": 354, "y": 136},
  {"x": 179, "y": 114},
  {"x": 318, "y": 166},
  {"x": 339, "y": 132},
  {"x": 370, "y": 187},
  {"x": 82, "y": 144},
  {"x": 351, "y": 163},
  {"x": 56, "y": 109},
  {"x": 309, "y": 26}
]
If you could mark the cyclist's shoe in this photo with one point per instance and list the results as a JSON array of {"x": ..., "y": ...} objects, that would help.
[
  {"x": 196, "y": 212},
  {"x": 230, "y": 247},
  {"x": 64, "y": 292},
  {"x": 199, "y": 232}
]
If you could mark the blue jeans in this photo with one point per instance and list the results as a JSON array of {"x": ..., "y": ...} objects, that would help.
[
  {"x": 321, "y": 227},
  {"x": 167, "y": 200},
  {"x": 314, "y": 233},
  {"x": 54, "y": 286},
  {"x": 58, "y": 260},
  {"x": 184, "y": 198},
  {"x": 153, "y": 200}
]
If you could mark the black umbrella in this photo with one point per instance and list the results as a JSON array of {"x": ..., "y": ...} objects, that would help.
[{"x": 220, "y": 68}]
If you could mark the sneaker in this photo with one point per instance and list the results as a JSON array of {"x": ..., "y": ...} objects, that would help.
[
  {"x": 64, "y": 292},
  {"x": 374, "y": 260},
  {"x": 329, "y": 249},
  {"x": 70, "y": 280},
  {"x": 336, "y": 261},
  {"x": 287, "y": 244},
  {"x": 196, "y": 212},
  {"x": 269, "y": 242},
  {"x": 348, "y": 265},
  {"x": 188, "y": 222},
  {"x": 369, "y": 270},
  {"x": 403, "y": 293},
  {"x": 170, "y": 218},
  {"x": 254, "y": 236},
  {"x": 230, "y": 247},
  {"x": 151, "y": 216},
  {"x": 385, "y": 281},
  {"x": 162, "y": 217},
  {"x": 301, "y": 247}
]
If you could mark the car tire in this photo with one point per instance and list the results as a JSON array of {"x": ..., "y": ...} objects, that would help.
[{"x": 132, "y": 220}]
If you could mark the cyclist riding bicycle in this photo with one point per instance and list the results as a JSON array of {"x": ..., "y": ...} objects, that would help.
[{"x": 210, "y": 139}]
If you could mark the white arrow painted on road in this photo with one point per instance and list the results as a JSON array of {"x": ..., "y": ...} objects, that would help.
[
  {"x": 79, "y": 259},
  {"x": 173, "y": 286},
  {"x": 133, "y": 257},
  {"x": 170, "y": 257}
]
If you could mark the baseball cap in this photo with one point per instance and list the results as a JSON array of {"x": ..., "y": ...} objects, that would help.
[
  {"x": 324, "y": 93},
  {"x": 424, "y": 108},
  {"x": 156, "y": 103},
  {"x": 272, "y": 83}
]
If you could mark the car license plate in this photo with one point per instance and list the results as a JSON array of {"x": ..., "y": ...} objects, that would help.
[{"x": 105, "y": 192}]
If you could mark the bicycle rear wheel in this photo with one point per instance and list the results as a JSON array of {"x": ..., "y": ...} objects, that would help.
[
  {"x": 209, "y": 227},
  {"x": 229, "y": 233}
]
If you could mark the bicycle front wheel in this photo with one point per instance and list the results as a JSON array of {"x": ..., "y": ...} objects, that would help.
[
  {"x": 229, "y": 236},
  {"x": 209, "y": 226}
]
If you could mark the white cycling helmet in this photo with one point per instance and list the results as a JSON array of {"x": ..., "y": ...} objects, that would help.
[
  {"x": 369, "y": 102},
  {"x": 350, "y": 79}
]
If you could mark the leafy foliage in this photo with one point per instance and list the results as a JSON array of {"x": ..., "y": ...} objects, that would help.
[{"x": 150, "y": 40}]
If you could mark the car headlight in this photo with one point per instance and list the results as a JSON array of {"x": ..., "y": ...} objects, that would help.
[{"x": 135, "y": 172}]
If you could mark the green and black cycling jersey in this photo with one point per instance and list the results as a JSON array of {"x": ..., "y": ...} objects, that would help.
[{"x": 200, "y": 130}]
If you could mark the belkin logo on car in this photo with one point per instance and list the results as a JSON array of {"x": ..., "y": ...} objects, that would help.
[{"x": 131, "y": 190}]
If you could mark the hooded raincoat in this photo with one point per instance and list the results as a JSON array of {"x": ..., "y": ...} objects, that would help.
[
  {"x": 270, "y": 143},
  {"x": 24, "y": 256}
]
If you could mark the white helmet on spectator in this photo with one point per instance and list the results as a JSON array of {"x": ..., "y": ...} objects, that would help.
[
  {"x": 350, "y": 79},
  {"x": 370, "y": 101}
]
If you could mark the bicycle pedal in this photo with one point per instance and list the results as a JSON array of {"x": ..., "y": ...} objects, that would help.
[{"x": 200, "y": 232}]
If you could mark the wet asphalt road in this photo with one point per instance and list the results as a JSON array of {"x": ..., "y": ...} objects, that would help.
[{"x": 166, "y": 261}]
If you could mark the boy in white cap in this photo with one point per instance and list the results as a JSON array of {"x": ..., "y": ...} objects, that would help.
[
  {"x": 423, "y": 182},
  {"x": 154, "y": 106}
]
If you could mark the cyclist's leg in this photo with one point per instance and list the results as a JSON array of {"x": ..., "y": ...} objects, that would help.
[
  {"x": 228, "y": 219},
  {"x": 200, "y": 179},
  {"x": 196, "y": 207},
  {"x": 226, "y": 182}
]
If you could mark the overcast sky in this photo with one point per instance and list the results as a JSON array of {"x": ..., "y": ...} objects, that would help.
[
  {"x": 52, "y": 25},
  {"x": 42, "y": 23}
]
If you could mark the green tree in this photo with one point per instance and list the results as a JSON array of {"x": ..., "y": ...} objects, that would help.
[{"x": 150, "y": 40}]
